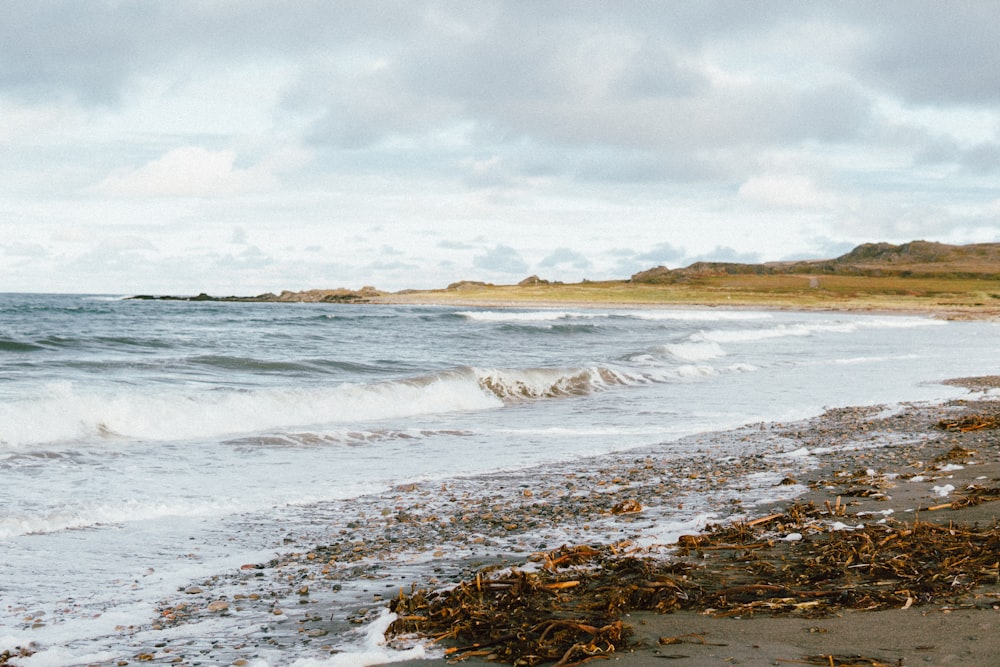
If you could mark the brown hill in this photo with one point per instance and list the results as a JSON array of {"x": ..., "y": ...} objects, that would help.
[{"x": 914, "y": 259}]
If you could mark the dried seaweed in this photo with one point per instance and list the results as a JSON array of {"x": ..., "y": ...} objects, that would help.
[
  {"x": 570, "y": 607},
  {"x": 969, "y": 423},
  {"x": 839, "y": 661}
]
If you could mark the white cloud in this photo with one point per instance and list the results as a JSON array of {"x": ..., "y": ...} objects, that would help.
[
  {"x": 785, "y": 191},
  {"x": 418, "y": 142},
  {"x": 191, "y": 171}
]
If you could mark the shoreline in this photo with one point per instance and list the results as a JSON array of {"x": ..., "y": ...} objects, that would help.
[
  {"x": 890, "y": 486},
  {"x": 432, "y": 535},
  {"x": 903, "y": 306}
]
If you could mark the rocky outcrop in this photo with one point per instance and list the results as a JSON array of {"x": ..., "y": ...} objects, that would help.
[
  {"x": 339, "y": 295},
  {"x": 468, "y": 284}
]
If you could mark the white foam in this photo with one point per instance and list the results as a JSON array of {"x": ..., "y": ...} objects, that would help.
[
  {"x": 373, "y": 649},
  {"x": 58, "y": 656},
  {"x": 543, "y": 315},
  {"x": 530, "y": 316},
  {"x": 944, "y": 490},
  {"x": 695, "y": 351},
  {"x": 697, "y": 315},
  {"x": 63, "y": 412},
  {"x": 549, "y": 382}
]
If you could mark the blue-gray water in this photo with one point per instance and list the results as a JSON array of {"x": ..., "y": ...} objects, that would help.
[{"x": 130, "y": 430}]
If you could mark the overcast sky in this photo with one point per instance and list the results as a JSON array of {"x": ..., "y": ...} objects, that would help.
[{"x": 250, "y": 146}]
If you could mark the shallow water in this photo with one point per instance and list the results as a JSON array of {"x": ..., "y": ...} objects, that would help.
[{"x": 147, "y": 445}]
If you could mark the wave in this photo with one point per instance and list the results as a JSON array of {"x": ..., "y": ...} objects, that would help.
[
  {"x": 350, "y": 437},
  {"x": 649, "y": 315},
  {"x": 549, "y": 328},
  {"x": 780, "y": 331},
  {"x": 550, "y": 383},
  {"x": 812, "y": 328},
  {"x": 75, "y": 518},
  {"x": 69, "y": 413},
  {"x": 231, "y": 363},
  {"x": 10, "y": 345},
  {"x": 530, "y": 316},
  {"x": 697, "y": 315},
  {"x": 694, "y": 350}
]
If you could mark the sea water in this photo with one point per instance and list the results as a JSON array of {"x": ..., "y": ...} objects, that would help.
[{"x": 140, "y": 439}]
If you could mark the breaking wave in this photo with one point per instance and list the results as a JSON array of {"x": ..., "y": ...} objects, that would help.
[{"x": 69, "y": 413}]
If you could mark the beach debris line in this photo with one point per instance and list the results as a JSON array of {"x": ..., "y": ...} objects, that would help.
[
  {"x": 969, "y": 423},
  {"x": 831, "y": 660},
  {"x": 567, "y": 606}
]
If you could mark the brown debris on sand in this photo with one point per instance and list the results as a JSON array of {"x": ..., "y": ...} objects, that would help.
[
  {"x": 797, "y": 562},
  {"x": 969, "y": 423}
]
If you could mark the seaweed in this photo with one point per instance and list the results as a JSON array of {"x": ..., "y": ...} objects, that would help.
[{"x": 567, "y": 606}]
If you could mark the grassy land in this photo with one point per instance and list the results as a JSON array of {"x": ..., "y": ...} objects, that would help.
[{"x": 948, "y": 296}]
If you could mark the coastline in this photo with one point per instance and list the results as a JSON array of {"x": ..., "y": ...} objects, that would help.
[
  {"x": 894, "y": 486},
  {"x": 429, "y": 536},
  {"x": 513, "y": 296}
]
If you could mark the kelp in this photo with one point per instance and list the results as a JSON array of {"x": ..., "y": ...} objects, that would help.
[
  {"x": 567, "y": 606},
  {"x": 969, "y": 423}
]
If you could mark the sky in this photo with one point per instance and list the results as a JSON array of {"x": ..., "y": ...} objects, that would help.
[{"x": 239, "y": 147}]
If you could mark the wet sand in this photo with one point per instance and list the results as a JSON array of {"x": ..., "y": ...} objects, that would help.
[
  {"x": 343, "y": 571},
  {"x": 902, "y": 481}
]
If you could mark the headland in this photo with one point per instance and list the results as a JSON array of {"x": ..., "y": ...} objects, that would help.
[{"x": 947, "y": 281}]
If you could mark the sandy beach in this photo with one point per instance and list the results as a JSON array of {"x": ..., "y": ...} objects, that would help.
[
  {"x": 893, "y": 485},
  {"x": 880, "y": 468}
]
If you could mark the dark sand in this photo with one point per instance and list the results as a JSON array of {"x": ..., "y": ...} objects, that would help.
[
  {"x": 346, "y": 569},
  {"x": 955, "y": 633}
]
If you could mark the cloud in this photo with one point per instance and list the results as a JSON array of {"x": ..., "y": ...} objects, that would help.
[
  {"x": 785, "y": 191},
  {"x": 727, "y": 254},
  {"x": 606, "y": 137},
  {"x": 25, "y": 250},
  {"x": 662, "y": 253},
  {"x": 191, "y": 171},
  {"x": 564, "y": 257},
  {"x": 933, "y": 53},
  {"x": 501, "y": 260}
]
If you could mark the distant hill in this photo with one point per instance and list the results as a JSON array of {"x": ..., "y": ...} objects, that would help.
[{"x": 916, "y": 259}]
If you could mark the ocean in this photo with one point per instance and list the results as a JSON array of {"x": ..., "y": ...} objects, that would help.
[{"x": 148, "y": 447}]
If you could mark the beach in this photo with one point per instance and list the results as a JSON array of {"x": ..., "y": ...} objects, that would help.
[
  {"x": 895, "y": 486},
  {"x": 264, "y": 505},
  {"x": 884, "y": 465}
]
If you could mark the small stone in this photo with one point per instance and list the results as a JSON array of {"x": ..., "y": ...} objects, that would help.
[
  {"x": 218, "y": 605},
  {"x": 192, "y": 590}
]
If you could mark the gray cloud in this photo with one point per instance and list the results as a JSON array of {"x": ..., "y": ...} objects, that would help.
[
  {"x": 340, "y": 121},
  {"x": 727, "y": 254},
  {"x": 932, "y": 52},
  {"x": 566, "y": 257},
  {"x": 501, "y": 259},
  {"x": 662, "y": 253}
]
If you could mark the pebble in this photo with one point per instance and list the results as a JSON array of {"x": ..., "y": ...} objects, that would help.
[{"x": 487, "y": 517}]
